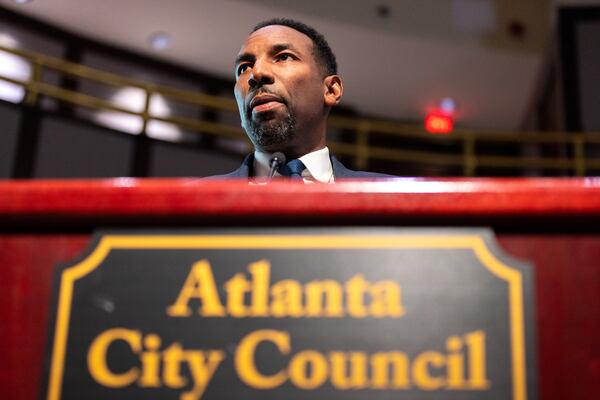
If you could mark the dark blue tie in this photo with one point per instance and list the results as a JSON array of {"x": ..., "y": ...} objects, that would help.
[{"x": 293, "y": 169}]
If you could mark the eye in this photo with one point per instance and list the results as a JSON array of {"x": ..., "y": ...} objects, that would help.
[
  {"x": 284, "y": 57},
  {"x": 242, "y": 68}
]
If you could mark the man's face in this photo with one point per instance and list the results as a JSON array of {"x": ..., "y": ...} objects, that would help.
[{"x": 280, "y": 90}]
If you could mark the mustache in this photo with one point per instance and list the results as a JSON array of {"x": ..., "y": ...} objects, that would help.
[{"x": 262, "y": 91}]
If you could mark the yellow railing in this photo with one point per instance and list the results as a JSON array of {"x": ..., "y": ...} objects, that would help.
[{"x": 359, "y": 147}]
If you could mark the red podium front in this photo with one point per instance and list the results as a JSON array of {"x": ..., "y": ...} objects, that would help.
[{"x": 554, "y": 223}]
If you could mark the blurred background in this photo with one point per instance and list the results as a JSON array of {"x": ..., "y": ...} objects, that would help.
[{"x": 432, "y": 87}]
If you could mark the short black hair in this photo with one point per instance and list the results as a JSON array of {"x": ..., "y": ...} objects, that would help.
[{"x": 321, "y": 50}]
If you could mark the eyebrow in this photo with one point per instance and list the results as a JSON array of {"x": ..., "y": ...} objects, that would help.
[
  {"x": 282, "y": 46},
  {"x": 274, "y": 50},
  {"x": 244, "y": 57}
]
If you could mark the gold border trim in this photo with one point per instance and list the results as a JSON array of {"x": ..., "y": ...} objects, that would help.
[{"x": 111, "y": 242}]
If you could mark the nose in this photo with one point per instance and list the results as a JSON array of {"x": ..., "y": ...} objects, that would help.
[{"x": 260, "y": 75}]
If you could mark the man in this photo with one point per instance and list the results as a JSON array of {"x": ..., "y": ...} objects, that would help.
[{"x": 286, "y": 84}]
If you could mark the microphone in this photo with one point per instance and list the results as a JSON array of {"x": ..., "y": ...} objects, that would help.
[{"x": 277, "y": 160}]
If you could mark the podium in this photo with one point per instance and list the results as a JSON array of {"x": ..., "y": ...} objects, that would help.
[{"x": 553, "y": 223}]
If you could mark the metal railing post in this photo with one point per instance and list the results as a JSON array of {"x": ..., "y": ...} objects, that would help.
[
  {"x": 469, "y": 157},
  {"x": 146, "y": 113},
  {"x": 32, "y": 84}
]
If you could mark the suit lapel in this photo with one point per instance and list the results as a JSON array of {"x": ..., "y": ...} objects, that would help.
[
  {"x": 339, "y": 171},
  {"x": 245, "y": 170}
]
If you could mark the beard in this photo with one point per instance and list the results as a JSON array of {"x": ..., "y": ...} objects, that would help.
[{"x": 267, "y": 133}]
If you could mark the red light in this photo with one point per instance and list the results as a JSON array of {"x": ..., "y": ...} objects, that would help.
[{"x": 437, "y": 123}]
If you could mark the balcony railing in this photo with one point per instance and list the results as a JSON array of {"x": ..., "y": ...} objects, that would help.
[{"x": 573, "y": 158}]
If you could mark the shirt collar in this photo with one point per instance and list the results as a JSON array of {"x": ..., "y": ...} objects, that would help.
[{"x": 318, "y": 166}]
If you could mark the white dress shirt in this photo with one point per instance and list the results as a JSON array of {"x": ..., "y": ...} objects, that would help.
[{"x": 318, "y": 166}]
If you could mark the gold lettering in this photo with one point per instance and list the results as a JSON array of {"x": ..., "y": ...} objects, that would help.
[
  {"x": 203, "y": 365},
  {"x": 339, "y": 370},
  {"x": 421, "y": 376},
  {"x": 310, "y": 369},
  {"x": 324, "y": 298},
  {"x": 304, "y": 377},
  {"x": 200, "y": 284},
  {"x": 380, "y": 366},
  {"x": 236, "y": 288},
  {"x": 386, "y": 300},
  {"x": 250, "y": 294},
  {"x": 96, "y": 359},
  {"x": 244, "y": 358},
  {"x": 287, "y": 299},
  {"x": 477, "y": 371},
  {"x": 261, "y": 273},
  {"x": 150, "y": 362},
  {"x": 456, "y": 363},
  {"x": 173, "y": 356},
  {"x": 355, "y": 289}
]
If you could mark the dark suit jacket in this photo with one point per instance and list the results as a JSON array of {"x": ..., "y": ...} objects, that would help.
[{"x": 339, "y": 171}]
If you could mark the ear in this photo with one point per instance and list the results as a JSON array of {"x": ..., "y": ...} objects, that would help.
[{"x": 333, "y": 90}]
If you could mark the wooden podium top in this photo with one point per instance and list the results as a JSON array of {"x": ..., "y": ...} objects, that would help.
[
  {"x": 46, "y": 223},
  {"x": 401, "y": 200}
]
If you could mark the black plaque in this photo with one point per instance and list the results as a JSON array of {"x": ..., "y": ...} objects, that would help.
[{"x": 293, "y": 313}]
